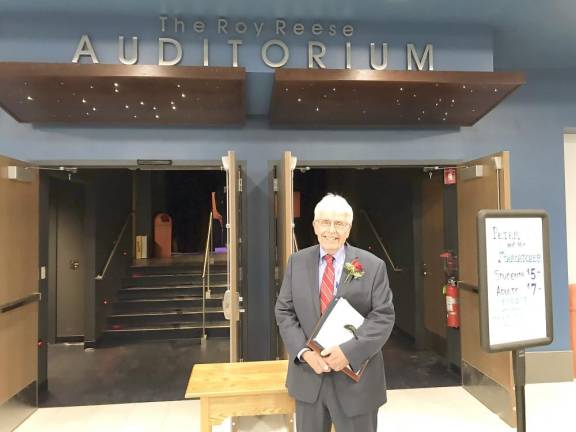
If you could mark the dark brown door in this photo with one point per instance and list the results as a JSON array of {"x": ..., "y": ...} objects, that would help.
[
  {"x": 482, "y": 184},
  {"x": 434, "y": 304}
]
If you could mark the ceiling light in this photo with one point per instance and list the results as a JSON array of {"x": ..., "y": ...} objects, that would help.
[
  {"x": 173, "y": 107},
  {"x": 154, "y": 162},
  {"x": 83, "y": 100},
  {"x": 115, "y": 84},
  {"x": 30, "y": 98},
  {"x": 142, "y": 103},
  {"x": 154, "y": 108},
  {"x": 157, "y": 116},
  {"x": 93, "y": 108},
  {"x": 183, "y": 95}
]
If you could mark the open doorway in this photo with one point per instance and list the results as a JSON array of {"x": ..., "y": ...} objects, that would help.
[
  {"x": 151, "y": 270},
  {"x": 407, "y": 217},
  {"x": 482, "y": 183}
]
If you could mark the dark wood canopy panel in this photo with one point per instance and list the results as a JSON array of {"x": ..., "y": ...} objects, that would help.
[
  {"x": 356, "y": 98},
  {"x": 122, "y": 94}
]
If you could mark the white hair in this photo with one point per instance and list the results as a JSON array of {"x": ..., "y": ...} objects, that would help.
[{"x": 334, "y": 203}]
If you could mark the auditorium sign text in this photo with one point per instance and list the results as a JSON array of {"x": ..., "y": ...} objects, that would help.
[{"x": 274, "y": 51}]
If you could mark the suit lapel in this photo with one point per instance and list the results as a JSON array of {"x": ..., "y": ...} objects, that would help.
[{"x": 313, "y": 278}]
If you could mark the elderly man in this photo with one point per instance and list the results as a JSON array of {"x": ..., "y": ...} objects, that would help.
[{"x": 313, "y": 277}]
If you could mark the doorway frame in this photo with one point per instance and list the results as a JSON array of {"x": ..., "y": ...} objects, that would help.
[
  {"x": 274, "y": 280},
  {"x": 131, "y": 164}
]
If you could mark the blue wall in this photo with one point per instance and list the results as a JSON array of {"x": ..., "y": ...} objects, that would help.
[{"x": 530, "y": 124}]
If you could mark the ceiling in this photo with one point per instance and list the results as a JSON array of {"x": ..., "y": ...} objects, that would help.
[
  {"x": 210, "y": 96},
  {"x": 349, "y": 98},
  {"x": 527, "y": 33},
  {"x": 118, "y": 94}
]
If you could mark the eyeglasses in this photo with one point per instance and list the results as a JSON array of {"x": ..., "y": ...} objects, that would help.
[{"x": 326, "y": 224}]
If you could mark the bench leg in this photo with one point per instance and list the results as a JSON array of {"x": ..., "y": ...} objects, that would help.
[
  {"x": 205, "y": 425},
  {"x": 289, "y": 421}
]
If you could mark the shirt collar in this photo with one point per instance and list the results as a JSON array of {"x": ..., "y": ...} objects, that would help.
[{"x": 340, "y": 254}]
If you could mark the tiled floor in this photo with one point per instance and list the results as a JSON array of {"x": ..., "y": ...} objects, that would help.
[{"x": 549, "y": 408}]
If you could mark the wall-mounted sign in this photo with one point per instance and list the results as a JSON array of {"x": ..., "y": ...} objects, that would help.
[
  {"x": 275, "y": 52},
  {"x": 514, "y": 279}
]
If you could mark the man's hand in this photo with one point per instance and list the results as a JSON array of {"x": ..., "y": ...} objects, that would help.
[
  {"x": 335, "y": 358},
  {"x": 316, "y": 362}
]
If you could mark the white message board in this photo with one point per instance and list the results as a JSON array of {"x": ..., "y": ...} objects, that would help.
[{"x": 514, "y": 279}]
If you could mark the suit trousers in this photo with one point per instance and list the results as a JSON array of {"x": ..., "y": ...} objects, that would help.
[{"x": 319, "y": 416}]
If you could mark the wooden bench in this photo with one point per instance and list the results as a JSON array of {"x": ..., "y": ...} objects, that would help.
[{"x": 240, "y": 389}]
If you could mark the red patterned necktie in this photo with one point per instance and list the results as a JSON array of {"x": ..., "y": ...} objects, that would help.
[{"x": 327, "y": 286}]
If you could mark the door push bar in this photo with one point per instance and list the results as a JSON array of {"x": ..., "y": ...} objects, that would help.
[{"x": 7, "y": 307}]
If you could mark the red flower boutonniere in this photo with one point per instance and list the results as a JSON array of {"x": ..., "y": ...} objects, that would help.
[{"x": 354, "y": 270}]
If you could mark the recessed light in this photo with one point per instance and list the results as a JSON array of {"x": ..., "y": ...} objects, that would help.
[
  {"x": 154, "y": 108},
  {"x": 127, "y": 106},
  {"x": 93, "y": 108},
  {"x": 135, "y": 116},
  {"x": 116, "y": 91},
  {"x": 30, "y": 98},
  {"x": 142, "y": 103},
  {"x": 173, "y": 107},
  {"x": 172, "y": 102},
  {"x": 157, "y": 116},
  {"x": 317, "y": 109},
  {"x": 183, "y": 95},
  {"x": 115, "y": 84},
  {"x": 178, "y": 85},
  {"x": 299, "y": 100},
  {"x": 83, "y": 100}
]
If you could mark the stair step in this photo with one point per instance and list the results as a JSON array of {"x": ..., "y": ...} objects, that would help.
[
  {"x": 187, "y": 311},
  {"x": 174, "y": 298},
  {"x": 170, "y": 326},
  {"x": 169, "y": 287},
  {"x": 175, "y": 280}
]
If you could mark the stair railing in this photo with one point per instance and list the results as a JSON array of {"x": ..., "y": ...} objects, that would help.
[
  {"x": 295, "y": 241},
  {"x": 380, "y": 242},
  {"x": 113, "y": 251},
  {"x": 206, "y": 275}
]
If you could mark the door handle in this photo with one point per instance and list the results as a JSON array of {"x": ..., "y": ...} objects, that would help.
[{"x": 74, "y": 264}]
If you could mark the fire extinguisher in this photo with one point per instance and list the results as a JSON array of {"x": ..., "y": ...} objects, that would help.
[{"x": 452, "y": 306}]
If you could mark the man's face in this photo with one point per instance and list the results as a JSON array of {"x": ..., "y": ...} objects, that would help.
[{"x": 332, "y": 230}]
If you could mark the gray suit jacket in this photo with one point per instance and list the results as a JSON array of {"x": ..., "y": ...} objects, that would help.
[{"x": 298, "y": 311}]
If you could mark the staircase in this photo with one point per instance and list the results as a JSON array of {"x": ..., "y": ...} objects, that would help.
[{"x": 162, "y": 299}]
